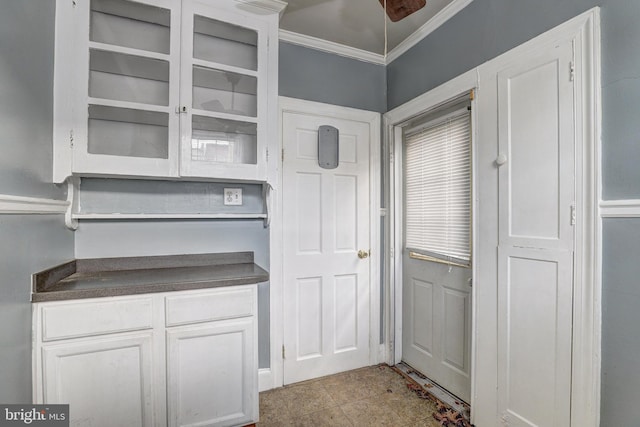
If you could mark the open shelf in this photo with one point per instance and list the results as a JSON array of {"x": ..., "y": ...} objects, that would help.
[{"x": 130, "y": 24}]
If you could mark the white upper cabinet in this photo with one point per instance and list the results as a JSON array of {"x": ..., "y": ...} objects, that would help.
[{"x": 164, "y": 88}]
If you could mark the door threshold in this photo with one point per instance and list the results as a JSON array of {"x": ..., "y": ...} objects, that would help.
[{"x": 436, "y": 390}]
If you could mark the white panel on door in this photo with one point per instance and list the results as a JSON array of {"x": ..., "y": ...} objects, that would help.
[
  {"x": 456, "y": 329},
  {"x": 345, "y": 320},
  {"x": 307, "y": 144},
  {"x": 309, "y": 218},
  {"x": 346, "y": 209},
  {"x": 309, "y": 308},
  {"x": 422, "y": 315},
  {"x": 535, "y": 336},
  {"x": 348, "y": 148},
  {"x": 534, "y": 152}
]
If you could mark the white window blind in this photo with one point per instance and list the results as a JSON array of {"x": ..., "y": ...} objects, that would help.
[{"x": 438, "y": 188}]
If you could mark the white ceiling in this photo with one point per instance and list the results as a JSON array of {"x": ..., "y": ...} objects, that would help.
[{"x": 358, "y": 24}]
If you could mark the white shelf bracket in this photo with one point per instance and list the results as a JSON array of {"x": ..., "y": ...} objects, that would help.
[{"x": 73, "y": 185}]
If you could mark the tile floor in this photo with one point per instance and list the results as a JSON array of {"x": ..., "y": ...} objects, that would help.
[{"x": 373, "y": 396}]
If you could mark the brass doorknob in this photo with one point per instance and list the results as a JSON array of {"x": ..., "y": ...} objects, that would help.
[{"x": 363, "y": 254}]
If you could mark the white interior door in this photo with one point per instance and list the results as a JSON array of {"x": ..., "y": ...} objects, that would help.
[
  {"x": 536, "y": 185},
  {"x": 325, "y": 225}
]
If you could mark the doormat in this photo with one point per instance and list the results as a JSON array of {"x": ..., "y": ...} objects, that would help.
[{"x": 445, "y": 415}]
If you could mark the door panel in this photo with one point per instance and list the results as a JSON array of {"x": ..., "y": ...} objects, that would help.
[
  {"x": 326, "y": 223},
  {"x": 534, "y": 352},
  {"x": 535, "y": 119},
  {"x": 536, "y": 239},
  {"x": 436, "y": 337}
]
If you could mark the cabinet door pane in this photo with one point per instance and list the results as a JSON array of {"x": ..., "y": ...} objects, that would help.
[
  {"x": 224, "y": 92},
  {"x": 130, "y": 24},
  {"x": 223, "y": 141},
  {"x": 128, "y": 132},
  {"x": 128, "y": 78},
  {"x": 225, "y": 43}
]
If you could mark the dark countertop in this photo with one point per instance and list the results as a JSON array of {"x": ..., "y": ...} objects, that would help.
[{"x": 104, "y": 277}]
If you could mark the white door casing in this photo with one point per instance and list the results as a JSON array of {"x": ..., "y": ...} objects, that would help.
[{"x": 326, "y": 222}]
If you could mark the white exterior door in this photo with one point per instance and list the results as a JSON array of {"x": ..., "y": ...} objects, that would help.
[
  {"x": 536, "y": 186},
  {"x": 325, "y": 224}
]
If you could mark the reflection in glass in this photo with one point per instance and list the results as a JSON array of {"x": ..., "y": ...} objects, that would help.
[
  {"x": 223, "y": 141},
  {"x": 224, "y": 92}
]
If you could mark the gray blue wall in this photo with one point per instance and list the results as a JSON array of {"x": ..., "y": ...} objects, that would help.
[
  {"x": 28, "y": 243},
  {"x": 487, "y": 28},
  {"x": 323, "y": 77}
]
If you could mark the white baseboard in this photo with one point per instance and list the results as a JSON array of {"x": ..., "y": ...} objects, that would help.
[{"x": 265, "y": 380}]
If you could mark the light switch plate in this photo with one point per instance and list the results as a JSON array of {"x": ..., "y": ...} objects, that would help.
[{"x": 233, "y": 196}]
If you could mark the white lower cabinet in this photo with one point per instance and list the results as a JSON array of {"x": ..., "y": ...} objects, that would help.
[
  {"x": 210, "y": 374},
  {"x": 97, "y": 375},
  {"x": 126, "y": 366}
]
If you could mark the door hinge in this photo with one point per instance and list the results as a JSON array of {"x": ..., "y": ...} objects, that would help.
[
  {"x": 267, "y": 154},
  {"x": 71, "y": 138},
  {"x": 282, "y": 155},
  {"x": 572, "y": 71},
  {"x": 573, "y": 214},
  {"x": 283, "y": 353}
]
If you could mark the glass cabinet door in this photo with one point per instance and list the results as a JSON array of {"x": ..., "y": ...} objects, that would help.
[
  {"x": 222, "y": 93},
  {"x": 133, "y": 88}
]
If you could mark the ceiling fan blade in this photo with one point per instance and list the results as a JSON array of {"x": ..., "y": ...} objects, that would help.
[{"x": 398, "y": 9}]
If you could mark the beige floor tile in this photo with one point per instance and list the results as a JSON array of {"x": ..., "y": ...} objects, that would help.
[
  {"x": 332, "y": 417},
  {"x": 307, "y": 398},
  {"x": 371, "y": 412}
]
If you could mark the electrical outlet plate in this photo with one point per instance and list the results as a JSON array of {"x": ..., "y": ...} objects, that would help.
[{"x": 233, "y": 196}]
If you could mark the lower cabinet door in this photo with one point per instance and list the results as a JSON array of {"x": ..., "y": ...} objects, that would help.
[
  {"x": 212, "y": 374},
  {"x": 107, "y": 381}
]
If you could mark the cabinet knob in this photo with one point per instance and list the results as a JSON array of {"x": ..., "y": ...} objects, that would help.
[{"x": 501, "y": 159}]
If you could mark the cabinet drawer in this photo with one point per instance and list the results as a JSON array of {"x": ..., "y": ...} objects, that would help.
[
  {"x": 80, "y": 319},
  {"x": 210, "y": 305}
]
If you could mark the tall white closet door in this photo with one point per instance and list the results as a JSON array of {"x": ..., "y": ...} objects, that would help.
[{"x": 536, "y": 193}]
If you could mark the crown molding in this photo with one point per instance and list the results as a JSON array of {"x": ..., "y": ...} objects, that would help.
[
  {"x": 364, "y": 55},
  {"x": 31, "y": 205},
  {"x": 331, "y": 47},
  {"x": 274, "y": 6},
  {"x": 448, "y": 12},
  {"x": 620, "y": 208}
]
